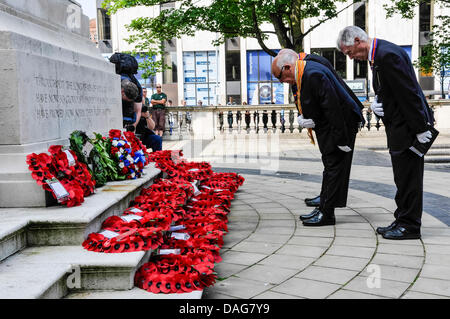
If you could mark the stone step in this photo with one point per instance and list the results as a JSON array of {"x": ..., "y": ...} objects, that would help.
[
  {"x": 51, "y": 272},
  {"x": 135, "y": 293},
  {"x": 60, "y": 225}
]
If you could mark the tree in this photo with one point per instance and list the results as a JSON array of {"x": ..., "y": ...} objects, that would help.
[
  {"x": 233, "y": 18},
  {"x": 435, "y": 56}
]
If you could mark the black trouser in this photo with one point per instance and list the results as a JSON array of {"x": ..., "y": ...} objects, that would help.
[
  {"x": 408, "y": 177},
  {"x": 336, "y": 177}
]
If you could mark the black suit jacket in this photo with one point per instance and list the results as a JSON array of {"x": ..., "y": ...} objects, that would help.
[
  {"x": 325, "y": 62},
  {"x": 334, "y": 112},
  {"x": 406, "y": 111}
]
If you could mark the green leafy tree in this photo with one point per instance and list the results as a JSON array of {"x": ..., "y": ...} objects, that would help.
[
  {"x": 435, "y": 56},
  {"x": 232, "y": 18}
]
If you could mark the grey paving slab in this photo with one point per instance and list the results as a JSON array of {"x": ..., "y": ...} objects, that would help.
[
  {"x": 359, "y": 233},
  {"x": 348, "y": 294},
  {"x": 267, "y": 274},
  {"x": 225, "y": 269},
  {"x": 272, "y": 238},
  {"x": 386, "y": 288},
  {"x": 432, "y": 286},
  {"x": 242, "y": 258},
  {"x": 421, "y": 295},
  {"x": 356, "y": 226},
  {"x": 256, "y": 247},
  {"x": 276, "y": 295},
  {"x": 393, "y": 248},
  {"x": 342, "y": 262},
  {"x": 313, "y": 241},
  {"x": 277, "y": 216},
  {"x": 315, "y": 232},
  {"x": 285, "y": 230},
  {"x": 350, "y": 241},
  {"x": 351, "y": 251},
  {"x": 326, "y": 274},
  {"x": 302, "y": 251},
  {"x": 398, "y": 260},
  {"x": 277, "y": 223},
  {"x": 240, "y": 287},
  {"x": 407, "y": 275},
  {"x": 287, "y": 261},
  {"x": 438, "y": 249},
  {"x": 306, "y": 288}
]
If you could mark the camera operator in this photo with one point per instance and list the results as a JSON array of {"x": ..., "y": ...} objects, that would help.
[{"x": 131, "y": 110}]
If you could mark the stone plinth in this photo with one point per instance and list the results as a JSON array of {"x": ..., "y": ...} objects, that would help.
[{"x": 54, "y": 81}]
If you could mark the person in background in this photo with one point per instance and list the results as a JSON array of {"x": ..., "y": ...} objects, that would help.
[
  {"x": 130, "y": 94},
  {"x": 145, "y": 100},
  {"x": 158, "y": 102}
]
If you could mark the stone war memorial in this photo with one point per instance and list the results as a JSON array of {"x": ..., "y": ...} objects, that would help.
[{"x": 53, "y": 81}]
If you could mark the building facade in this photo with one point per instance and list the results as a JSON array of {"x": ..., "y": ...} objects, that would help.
[{"x": 239, "y": 70}]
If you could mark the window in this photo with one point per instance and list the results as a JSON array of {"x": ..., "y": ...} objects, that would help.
[
  {"x": 336, "y": 58},
  {"x": 170, "y": 75},
  {"x": 201, "y": 77},
  {"x": 233, "y": 65},
  {"x": 262, "y": 87},
  {"x": 104, "y": 24},
  {"x": 425, "y": 16},
  {"x": 359, "y": 15}
]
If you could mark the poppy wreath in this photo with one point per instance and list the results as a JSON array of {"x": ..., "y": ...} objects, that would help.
[
  {"x": 176, "y": 274},
  {"x": 75, "y": 178},
  {"x": 122, "y": 152},
  {"x": 126, "y": 240},
  {"x": 141, "y": 156}
]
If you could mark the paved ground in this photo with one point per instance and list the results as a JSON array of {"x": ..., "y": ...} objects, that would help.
[{"x": 268, "y": 253}]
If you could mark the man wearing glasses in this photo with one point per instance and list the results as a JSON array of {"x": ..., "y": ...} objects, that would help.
[
  {"x": 327, "y": 107},
  {"x": 158, "y": 101}
]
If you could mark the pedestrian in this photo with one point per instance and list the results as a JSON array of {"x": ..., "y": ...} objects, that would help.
[
  {"x": 325, "y": 106},
  {"x": 158, "y": 102},
  {"x": 403, "y": 108}
]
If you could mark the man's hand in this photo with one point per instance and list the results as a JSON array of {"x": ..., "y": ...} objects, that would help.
[
  {"x": 345, "y": 148},
  {"x": 377, "y": 108},
  {"x": 306, "y": 123},
  {"x": 424, "y": 137}
]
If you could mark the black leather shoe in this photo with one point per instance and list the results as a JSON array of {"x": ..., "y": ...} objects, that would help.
[
  {"x": 382, "y": 230},
  {"x": 312, "y": 214},
  {"x": 400, "y": 233},
  {"x": 313, "y": 202},
  {"x": 319, "y": 219}
]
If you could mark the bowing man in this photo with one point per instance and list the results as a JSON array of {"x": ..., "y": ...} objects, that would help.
[
  {"x": 327, "y": 108},
  {"x": 315, "y": 201},
  {"x": 402, "y": 106}
]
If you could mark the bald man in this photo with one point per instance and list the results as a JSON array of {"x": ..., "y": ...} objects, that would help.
[{"x": 328, "y": 109}]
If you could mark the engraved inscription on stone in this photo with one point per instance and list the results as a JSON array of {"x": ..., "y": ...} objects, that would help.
[{"x": 64, "y": 99}]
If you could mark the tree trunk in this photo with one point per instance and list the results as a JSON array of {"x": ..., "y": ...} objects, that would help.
[{"x": 297, "y": 26}]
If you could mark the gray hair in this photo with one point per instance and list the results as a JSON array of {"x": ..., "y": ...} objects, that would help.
[
  {"x": 130, "y": 89},
  {"x": 286, "y": 56},
  {"x": 348, "y": 34}
]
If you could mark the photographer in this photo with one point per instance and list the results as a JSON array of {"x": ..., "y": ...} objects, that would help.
[
  {"x": 131, "y": 110},
  {"x": 145, "y": 128}
]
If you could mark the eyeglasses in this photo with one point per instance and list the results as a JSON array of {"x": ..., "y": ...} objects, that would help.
[
  {"x": 158, "y": 87},
  {"x": 281, "y": 73}
]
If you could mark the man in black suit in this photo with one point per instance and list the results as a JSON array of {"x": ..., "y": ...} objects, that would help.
[
  {"x": 327, "y": 108},
  {"x": 402, "y": 106},
  {"x": 315, "y": 201}
]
